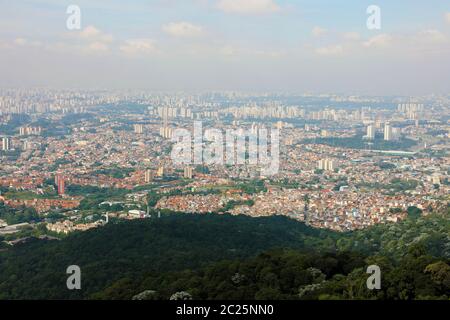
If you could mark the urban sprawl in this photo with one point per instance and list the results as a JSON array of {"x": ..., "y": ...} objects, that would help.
[{"x": 75, "y": 160}]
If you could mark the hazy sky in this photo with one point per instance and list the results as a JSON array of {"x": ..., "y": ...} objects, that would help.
[{"x": 258, "y": 45}]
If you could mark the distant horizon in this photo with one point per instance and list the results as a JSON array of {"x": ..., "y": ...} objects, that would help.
[{"x": 227, "y": 91}]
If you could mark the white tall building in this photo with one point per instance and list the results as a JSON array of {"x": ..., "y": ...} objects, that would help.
[
  {"x": 6, "y": 143},
  {"x": 188, "y": 173},
  {"x": 138, "y": 128},
  {"x": 165, "y": 132},
  {"x": 148, "y": 176},
  {"x": 326, "y": 164},
  {"x": 387, "y": 132},
  {"x": 370, "y": 132},
  {"x": 161, "y": 172}
]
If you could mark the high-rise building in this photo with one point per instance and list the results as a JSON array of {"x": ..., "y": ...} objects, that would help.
[
  {"x": 138, "y": 128},
  {"x": 387, "y": 132},
  {"x": 160, "y": 172},
  {"x": 326, "y": 164},
  {"x": 330, "y": 165},
  {"x": 23, "y": 131},
  {"x": 370, "y": 132},
  {"x": 148, "y": 176},
  {"x": 27, "y": 145},
  {"x": 188, "y": 172},
  {"x": 6, "y": 143},
  {"x": 165, "y": 132}
]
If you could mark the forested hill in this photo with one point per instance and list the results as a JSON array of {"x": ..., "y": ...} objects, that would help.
[
  {"x": 125, "y": 258},
  {"x": 37, "y": 269}
]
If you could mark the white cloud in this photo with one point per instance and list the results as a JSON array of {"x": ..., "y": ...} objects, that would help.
[
  {"x": 318, "y": 31},
  {"x": 182, "y": 29},
  {"x": 330, "y": 50},
  {"x": 248, "y": 6},
  {"x": 89, "y": 40},
  {"x": 138, "y": 46},
  {"x": 91, "y": 33},
  {"x": 381, "y": 40}
]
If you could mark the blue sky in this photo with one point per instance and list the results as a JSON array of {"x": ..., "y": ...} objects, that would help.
[{"x": 263, "y": 45}]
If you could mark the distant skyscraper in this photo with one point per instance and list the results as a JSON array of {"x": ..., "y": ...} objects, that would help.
[
  {"x": 165, "y": 132},
  {"x": 330, "y": 166},
  {"x": 160, "y": 172},
  {"x": 6, "y": 143},
  {"x": 387, "y": 132},
  {"x": 370, "y": 132},
  {"x": 26, "y": 145},
  {"x": 326, "y": 164},
  {"x": 138, "y": 128},
  {"x": 321, "y": 164},
  {"x": 148, "y": 176},
  {"x": 188, "y": 173},
  {"x": 23, "y": 131}
]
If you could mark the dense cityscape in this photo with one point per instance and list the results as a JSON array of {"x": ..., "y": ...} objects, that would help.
[{"x": 345, "y": 162}]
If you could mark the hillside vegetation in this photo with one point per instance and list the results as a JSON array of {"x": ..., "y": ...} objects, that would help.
[{"x": 222, "y": 256}]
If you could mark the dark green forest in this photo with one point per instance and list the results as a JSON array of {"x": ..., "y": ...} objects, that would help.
[{"x": 234, "y": 257}]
